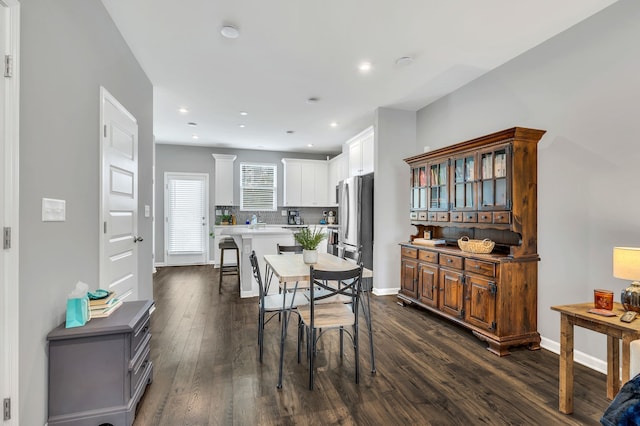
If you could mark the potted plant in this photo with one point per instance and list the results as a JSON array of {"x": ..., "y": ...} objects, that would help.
[{"x": 309, "y": 240}]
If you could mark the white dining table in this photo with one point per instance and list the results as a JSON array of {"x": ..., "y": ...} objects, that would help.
[{"x": 290, "y": 269}]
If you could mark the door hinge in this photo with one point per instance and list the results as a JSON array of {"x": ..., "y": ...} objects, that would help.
[
  {"x": 6, "y": 238},
  {"x": 493, "y": 288},
  {"x": 6, "y": 408},
  {"x": 8, "y": 66},
  {"x": 493, "y": 326},
  {"x": 105, "y": 227},
  {"x": 104, "y": 127},
  {"x": 462, "y": 312}
]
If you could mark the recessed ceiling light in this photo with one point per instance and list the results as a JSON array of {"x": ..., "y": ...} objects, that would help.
[
  {"x": 310, "y": 145},
  {"x": 195, "y": 137},
  {"x": 333, "y": 124},
  {"x": 191, "y": 123},
  {"x": 290, "y": 132},
  {"x": 229, "y": 31},
  {"x": 183, "y": 110},
  {"x": 365, "y": 67},
  {"x": 243, "y": 113},
  {"x": 241, "y": 125},
  {"x": 405, "y": 60}
]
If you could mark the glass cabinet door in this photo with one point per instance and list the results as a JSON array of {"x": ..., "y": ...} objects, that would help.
[
  {"x": 438, "y": 197},
  {"x": 494, "y": 177},
  {"x": 419, "y": 188},
  {"x": 463, "y": 195}
]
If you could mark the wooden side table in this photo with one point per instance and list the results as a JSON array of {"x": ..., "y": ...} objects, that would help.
[{"x": 615, "y": 330}]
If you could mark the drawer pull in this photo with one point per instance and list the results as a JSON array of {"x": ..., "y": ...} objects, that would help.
[
  {"x": 484, "y": 217},
  {"x": 449, "y": 260},
  {"x": 477, "y": 266},
  {"x": 499, "y": 217}
]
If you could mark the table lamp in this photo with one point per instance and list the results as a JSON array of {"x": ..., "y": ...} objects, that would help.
[{"x": 626, "y": 265}]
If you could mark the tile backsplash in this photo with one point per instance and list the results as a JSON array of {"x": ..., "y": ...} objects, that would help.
[{"x": 309, "y": 215}]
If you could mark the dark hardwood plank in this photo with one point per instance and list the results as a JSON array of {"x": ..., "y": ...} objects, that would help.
[{"x": 430, "y": 371}]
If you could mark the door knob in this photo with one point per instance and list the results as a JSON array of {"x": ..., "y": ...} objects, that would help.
[{"x": 136, "y": 239}]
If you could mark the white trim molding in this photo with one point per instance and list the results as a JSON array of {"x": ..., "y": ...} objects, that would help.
[
  {"x": 385, "y": 291},
  {"x": 9, "y": 281}
]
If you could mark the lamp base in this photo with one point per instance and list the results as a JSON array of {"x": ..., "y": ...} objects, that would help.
[{"x": 630, "y": 297}]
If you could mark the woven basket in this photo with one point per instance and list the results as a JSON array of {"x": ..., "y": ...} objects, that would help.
[{"x": 476, "y": 246}]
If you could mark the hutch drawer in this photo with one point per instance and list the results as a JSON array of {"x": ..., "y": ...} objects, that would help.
[
  {"x": 443, "y": 217},
  {"x": 456, "y": 217},
  {"x": 480, "y": 267},
  {"x": 470, "y": 217},
  {"x": 432, "y": 216},
  {"x": 409, "y": 252},
  {"x": 485, "y": 217},
  {"x": 450, "y": 261},
  {"x": 501, "y": 217},
  {"x": 428, "y": 256}
]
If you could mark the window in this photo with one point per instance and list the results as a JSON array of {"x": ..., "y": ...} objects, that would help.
[{"x": 258, "y": 187}]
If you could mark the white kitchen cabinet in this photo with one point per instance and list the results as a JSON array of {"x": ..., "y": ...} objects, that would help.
[
  {"x": 361, "y": 149},
  {"x": 223, "y": 178},
  {"x": 338, "y": 170},
  {"x": 305, "y": 183}
]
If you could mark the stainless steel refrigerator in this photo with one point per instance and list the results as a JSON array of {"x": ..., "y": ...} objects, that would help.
[{"x": 355, "y": 215}]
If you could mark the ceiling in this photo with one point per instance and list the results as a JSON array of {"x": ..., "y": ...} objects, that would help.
[{"x": 291, "y": 50}]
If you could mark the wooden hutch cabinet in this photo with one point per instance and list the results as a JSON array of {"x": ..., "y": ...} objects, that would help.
[{"x": 482, "y": 188}]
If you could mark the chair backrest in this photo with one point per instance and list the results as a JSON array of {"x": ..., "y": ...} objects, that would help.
[
  {"x": 256, "y": 273},
  {"x": 351, "y": 254},
  {"x": 289, "y": 249},
  {"x": 323, "y": 285}
]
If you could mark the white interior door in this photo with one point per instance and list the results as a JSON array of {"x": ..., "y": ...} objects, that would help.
[
  {"x": 186, "y": 219},
  {"x": 9, "y": 208},
  {"x": 119, "y": 200}
]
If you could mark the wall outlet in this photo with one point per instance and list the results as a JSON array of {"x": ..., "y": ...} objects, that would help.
[{"x": 284, "y": 213}]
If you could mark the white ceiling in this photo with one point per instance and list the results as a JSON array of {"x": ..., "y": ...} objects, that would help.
[{"x": 291, "y": 50}]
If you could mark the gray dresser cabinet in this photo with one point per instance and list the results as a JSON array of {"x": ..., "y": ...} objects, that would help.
[{"x": 98, "y": 372}]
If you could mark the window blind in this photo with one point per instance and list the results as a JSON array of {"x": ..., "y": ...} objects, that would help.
[
  {"x": 186, "y": 207},
  {"x": 258, "y": 186}
]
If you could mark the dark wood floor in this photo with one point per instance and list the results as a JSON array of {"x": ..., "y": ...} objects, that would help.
[{"x": 430, "y": 372}]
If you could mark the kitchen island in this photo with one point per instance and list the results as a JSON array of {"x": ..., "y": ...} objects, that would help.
[{"x": 261, "y": 238}]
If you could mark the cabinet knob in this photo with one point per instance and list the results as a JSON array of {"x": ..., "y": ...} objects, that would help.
[
  {"x": 477, "y": 266},
  {"x": 499, "y": 217},
  {"x": 449, "y": 260},
  {"x": 484, "y": 217}
]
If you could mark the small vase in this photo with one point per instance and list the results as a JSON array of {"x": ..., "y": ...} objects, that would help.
[
  {"x": 310, "y": 256},
  {"x": 630, "y": 297}
]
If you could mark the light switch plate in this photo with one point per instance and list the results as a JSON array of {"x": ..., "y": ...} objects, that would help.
[
  {"x": 284, "y": 213},
  {"x": 53, "y": 210},
  {"x": 147, "y": 210}
]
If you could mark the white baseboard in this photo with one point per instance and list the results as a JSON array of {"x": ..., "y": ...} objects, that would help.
[
  {"x": 249, "y": 293},
  {"x": 385, "y": 291},
  {"x": 159, "y": 264},
  {"x": 578, "y": 356}
]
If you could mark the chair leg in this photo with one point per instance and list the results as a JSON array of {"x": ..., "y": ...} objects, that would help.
[
  {"x": 341, "y": 342},
  {"x": 221, "y": 271},
  {"x": 261, "y": 332},
  {"x": 311, "y": 357},
  {"x": 367, "y": 316},
  {"x": 357, "y": 351}
]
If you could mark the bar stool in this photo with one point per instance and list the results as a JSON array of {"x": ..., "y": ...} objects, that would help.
[{"x": 228, "y": 244}]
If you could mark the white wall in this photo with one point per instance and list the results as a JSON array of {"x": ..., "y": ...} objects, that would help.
[
  {"x": 395, "y": 139},
  {"x": 582, "y": 87},
  {"x": 69, "y": 48}
]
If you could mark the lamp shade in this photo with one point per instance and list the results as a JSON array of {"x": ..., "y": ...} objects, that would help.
[{"x": 626, "y": 263}]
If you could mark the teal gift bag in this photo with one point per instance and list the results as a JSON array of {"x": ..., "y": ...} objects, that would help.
[{"x": 77, "y": 312}]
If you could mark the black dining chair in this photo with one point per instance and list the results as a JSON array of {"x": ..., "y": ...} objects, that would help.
[
  {"x": 320, "y": 317},
  {"x": 271, "y": 305},
  {"x": 367, "y": 284}
]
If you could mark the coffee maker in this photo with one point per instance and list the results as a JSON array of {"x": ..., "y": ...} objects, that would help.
[{"x": 293, "y": 217}]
